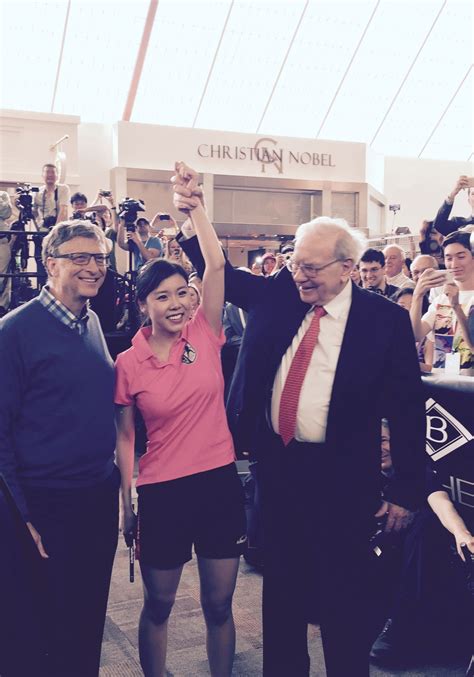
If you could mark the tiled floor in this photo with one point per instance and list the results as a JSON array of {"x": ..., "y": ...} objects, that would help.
[{"x": 186, "y": 653}]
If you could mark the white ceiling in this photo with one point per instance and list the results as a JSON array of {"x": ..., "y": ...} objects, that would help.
[{"x": 396, "y": 74}]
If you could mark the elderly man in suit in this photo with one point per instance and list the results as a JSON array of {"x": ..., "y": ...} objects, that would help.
[{"x": 308, "y": 395}]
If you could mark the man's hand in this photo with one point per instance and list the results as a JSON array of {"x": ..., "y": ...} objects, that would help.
[
  {"x": 464, "y": 538},
  {"x": 461, "y": 184},
  {"x": 187, "y": 193},
  {"x": 37, "y": 539},
  {"x": 398, "y": 518},
  {"x": 428, "y": 279},
  {"x": 134, "y": 237},
  {"x": 452, "y": 292}
]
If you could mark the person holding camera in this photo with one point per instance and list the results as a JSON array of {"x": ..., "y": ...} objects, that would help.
[
  {"x": 139, "y": 241},
  {"x": 5, "y": 251},
  {"x": 446, "y": 316},
  {"x": 445, "y": 225},
  {"x": 52, "y": 199},
  {"x": 189, "y": 492}
]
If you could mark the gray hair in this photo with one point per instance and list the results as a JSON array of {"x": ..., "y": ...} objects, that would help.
[
  {"x": 350, "y": 242},
  {"x": 395, "y": 246},
  {"x": 68, "y": 230}
]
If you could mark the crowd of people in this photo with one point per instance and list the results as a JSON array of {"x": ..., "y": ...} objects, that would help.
[{"x": 326, "y": 343}]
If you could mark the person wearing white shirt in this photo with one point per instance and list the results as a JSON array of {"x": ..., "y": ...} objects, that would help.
[
  {"x": 394, "y": 260},
  {"x": 447, "y": 314},
  {"x": 52, "y": 199},
  {"x": 321, "y": 482}
]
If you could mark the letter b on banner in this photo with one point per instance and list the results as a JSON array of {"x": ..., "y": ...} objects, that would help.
[{"x": 436, "y": 429}]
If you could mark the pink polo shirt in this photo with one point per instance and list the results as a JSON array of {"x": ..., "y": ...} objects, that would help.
[{"x": 181, "y": 401}]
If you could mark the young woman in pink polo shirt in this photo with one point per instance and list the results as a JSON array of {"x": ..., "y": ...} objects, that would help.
[{"x": 189, "y": 493}]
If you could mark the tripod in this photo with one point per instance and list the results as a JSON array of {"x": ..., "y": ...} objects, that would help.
[{"x": 132, "y": 323}]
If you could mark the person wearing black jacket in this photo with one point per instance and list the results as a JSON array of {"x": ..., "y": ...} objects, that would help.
[
  {"x": 322, "y": 488},
  {"x": 445, "y": 225}
]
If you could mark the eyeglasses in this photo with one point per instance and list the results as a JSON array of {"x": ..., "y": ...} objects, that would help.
[
  {"x": 84, "y": 258},
  {"x": 306, "y": 268}
]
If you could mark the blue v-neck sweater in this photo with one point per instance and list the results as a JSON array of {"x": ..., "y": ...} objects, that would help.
[{"x": 56, "y": 402}]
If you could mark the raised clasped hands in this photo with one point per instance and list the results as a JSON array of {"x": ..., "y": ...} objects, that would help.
[{"x": 187, "y": 193}]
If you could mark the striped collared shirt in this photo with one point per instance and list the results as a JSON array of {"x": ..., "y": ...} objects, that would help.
[{"x": 62, "y": 313}]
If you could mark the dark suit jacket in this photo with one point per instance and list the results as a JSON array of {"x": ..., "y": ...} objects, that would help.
[
  {"x": 377, "y": 376},
  {"x": 445, "y": 225}
]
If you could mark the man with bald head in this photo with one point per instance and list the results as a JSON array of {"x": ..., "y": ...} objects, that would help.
[
  {"x": 394, "y": 260},
  {"x": 307, "y": 397},
  {"x": 421, "y": 263}
]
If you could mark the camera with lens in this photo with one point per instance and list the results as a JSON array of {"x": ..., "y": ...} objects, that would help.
[
  {"x": 24, "y": 199},
  {"x": 429, "y": 244},
  {"x": 128, "y": 211},
  {"x": 91, "y": 217}
]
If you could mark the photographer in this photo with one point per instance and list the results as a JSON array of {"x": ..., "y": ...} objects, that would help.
[
  {"x": 52, "y": 198},
  {"x": 443, "y": 316},
  {"x": 442, "y": 223},
  {"x": 5, "y": 251},
  {"x": 137, "y": 239}
]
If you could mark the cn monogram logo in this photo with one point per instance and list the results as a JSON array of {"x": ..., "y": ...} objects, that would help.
[{"x": 444, "y": 433}]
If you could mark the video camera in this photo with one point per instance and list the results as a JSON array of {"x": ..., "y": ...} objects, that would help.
[
  {"x": 128, "y": 211},
  {"x": 91, "y": 217},
  {"x": 430, "y": 245},
  {"x": 24, "y": 200}
]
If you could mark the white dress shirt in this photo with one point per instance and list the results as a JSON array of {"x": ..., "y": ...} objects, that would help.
[
  {"x": 401, "y": 281},
  {"x": 315, "y": 395}
]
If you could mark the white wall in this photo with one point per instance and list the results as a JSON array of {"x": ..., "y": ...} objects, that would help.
[
  {"x": 25, "y": 140},
  {"x": 95, "y": 158},
  {"x": 93, "y": 150},
  {"x": 420, "y": 186}
]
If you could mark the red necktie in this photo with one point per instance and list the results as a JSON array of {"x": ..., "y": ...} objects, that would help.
[{"x": 291, "y": 391}]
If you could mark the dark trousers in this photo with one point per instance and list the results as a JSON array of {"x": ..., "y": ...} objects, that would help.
[
  {"x": 317, "y": 563},
  {"x": 55, "y": 625}
]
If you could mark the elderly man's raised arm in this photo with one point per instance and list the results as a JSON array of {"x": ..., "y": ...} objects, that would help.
[{"x": 241, "y": 288}]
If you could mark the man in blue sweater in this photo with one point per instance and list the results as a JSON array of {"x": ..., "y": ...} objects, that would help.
[{"x": 57, "y": 442}]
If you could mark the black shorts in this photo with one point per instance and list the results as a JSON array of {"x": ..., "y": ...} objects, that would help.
[{"x": 205, "y": 510}]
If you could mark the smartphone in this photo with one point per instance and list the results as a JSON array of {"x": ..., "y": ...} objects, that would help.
[
  {"x": 164, "y": 217},
  {"x": 449, "y": 275},
  {"x": 105, "y": 193}
]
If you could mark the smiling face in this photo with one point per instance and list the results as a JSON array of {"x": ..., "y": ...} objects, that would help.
[
  {"x": 73, "y": 284},
  {"x": 168, "y": 306},
  {"x": 316, "y": 249},
  {"x": 458, "y": 259},
  {"x": 372, "y": 274},
  {"x": 394, "y": 261}
]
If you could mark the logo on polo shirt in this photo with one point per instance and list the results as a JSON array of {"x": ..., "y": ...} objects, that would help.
[
  {"x": 444, "y": 433},
  {"x": 189, "y": 354}
]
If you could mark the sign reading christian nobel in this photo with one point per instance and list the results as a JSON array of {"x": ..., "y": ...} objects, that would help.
[{"x": 266, "y": 152}]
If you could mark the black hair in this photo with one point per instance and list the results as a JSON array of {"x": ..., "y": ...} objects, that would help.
[
  {"x": 458, "y": 237},
  {"x": 152, "y": 274},
  {"x": 78, "y": 197},
  {"x": 373, "y": 255},
  {"x": 404, "y": 291},
  {"x": 143, "y": 220}
]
